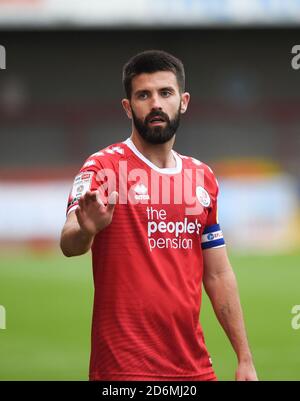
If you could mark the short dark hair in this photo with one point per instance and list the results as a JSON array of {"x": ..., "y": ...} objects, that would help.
[{"x": 151, "y": 61}]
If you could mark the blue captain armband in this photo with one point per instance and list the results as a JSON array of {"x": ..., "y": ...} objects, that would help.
[{"x": 212, "y": 237}]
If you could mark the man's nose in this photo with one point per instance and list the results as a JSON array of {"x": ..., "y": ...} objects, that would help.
[{"x": 155, "y": 103}]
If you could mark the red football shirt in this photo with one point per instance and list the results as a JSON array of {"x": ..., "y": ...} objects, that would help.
[{"x": 148, "y": 266}]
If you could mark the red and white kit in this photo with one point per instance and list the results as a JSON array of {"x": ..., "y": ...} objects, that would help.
[{"x": 148, "y": 266}]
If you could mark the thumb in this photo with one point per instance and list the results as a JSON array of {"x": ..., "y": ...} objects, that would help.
[{"x": 112, "y": 200}]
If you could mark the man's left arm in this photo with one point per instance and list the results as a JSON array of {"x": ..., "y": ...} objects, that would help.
[{"x": 221, "y": 287}]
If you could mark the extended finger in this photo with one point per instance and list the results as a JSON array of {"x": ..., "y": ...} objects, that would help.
[
  {"x": 112, "y": 201},
  {"x": 98, "y": 197},
  {"x": 90, "y": 196}
]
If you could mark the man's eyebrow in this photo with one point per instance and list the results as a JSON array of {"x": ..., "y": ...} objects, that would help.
[
  {"x": 165, "y": 88},
  {"x": 168, "y": 88},
  {"x": 141, "y": 91}
]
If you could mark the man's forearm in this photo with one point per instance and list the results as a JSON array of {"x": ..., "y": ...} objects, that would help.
[
  {"x": 223, "y": 293},
  {"x": 74, "y": 241}
]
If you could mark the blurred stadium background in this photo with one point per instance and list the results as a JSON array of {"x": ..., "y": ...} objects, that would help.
[{"x": 60, "y": 101}]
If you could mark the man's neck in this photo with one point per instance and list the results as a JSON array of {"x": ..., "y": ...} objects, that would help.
[{"x": 159, "y": 154}]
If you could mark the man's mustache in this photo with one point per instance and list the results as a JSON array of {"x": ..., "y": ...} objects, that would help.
[{"x": 159, "y": 114}]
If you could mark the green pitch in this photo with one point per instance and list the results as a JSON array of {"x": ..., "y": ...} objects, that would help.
[{"x": 48, "y": 302}]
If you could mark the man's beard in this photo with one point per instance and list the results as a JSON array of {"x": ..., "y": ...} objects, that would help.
[{"x": 156, "y": 134}]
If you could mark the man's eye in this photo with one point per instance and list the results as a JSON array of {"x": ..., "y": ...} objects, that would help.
[
  {"x": 165, "y": 93},
  {"x": 142, "y": 96}
]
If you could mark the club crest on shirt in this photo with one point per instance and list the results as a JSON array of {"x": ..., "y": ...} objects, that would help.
[{"x": 203, "y": 196}]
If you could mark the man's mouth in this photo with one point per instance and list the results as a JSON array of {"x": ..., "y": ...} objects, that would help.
[{"x": 157, "y": 120}]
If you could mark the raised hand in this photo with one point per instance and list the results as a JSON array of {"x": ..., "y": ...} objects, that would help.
[{"x": 92, "y": 215}]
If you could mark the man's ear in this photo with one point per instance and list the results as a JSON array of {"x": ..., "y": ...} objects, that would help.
[
  {"x": 185, "y": 98},
  {"x": 127, "y": 107}
]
